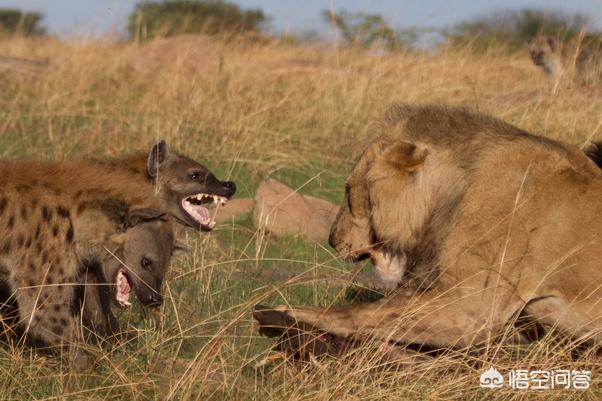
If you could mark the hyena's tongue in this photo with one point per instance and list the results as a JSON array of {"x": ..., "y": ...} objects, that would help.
[
  {"x": 202, "y": 213},
  {"x": 123, "y": 289},
  {"x": 193, "y": 206}
]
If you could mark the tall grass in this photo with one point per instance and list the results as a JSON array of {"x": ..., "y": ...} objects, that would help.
[{"x": 250, "y": 110}]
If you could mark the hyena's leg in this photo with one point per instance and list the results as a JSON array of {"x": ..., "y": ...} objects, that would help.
[
  {"x": 45, "y": 315},
  {"x": 434, "y": 318},
  {"x": 95, "y": 307},
  {"x": 45, "y": 311}
]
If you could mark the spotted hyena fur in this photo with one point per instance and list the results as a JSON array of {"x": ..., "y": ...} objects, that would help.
[
  {"x": 159, "y": 179},
  {"x": 41, "y": 266}
]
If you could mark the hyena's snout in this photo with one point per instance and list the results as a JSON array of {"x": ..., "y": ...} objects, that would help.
[
  {"x": 149, "y": 293},
  {"x": 221, "y": 188},
  {"x": 229, "y": 188},
  {"x": 154, "y": 300}
]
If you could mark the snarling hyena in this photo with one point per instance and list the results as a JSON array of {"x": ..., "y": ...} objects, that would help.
[
  {"x": 136, "y": 258},
  {"x": 159, "y": 179},
  {"x": 42, "y": 268}
]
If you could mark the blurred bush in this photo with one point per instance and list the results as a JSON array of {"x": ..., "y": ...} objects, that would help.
[
  {"x": 369, "y": 30},
  {"x": 511, "y": 28},
  {"x": 17, "y": 22},
  {"x": 169, "y": 18}
]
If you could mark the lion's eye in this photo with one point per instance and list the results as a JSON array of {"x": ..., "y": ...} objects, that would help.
[{"x": 146, "y": 263}]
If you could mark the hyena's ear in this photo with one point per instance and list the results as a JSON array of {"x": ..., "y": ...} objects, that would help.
[
  {"x": 137, "y": 216},
  {"x": 404, "y": 156},
  {"x": 551, "y": 42},
  {"x": 180, "y": 248},
  {"x": 158, "y": 156}
]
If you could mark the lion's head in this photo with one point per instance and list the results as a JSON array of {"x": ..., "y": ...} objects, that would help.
[{"x": 389, "y": 198}]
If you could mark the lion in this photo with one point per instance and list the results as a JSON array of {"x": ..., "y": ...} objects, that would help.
[
  {"x": 483, "y": 221},
  {"x": 580, "y": 61}
]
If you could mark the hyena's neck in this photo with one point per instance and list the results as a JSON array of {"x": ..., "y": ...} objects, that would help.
[
  {"x": 85, "y": 181},
  {"x": 554, "y": 68},
  {"x": 96, "y": 193},
  {"x": 135, "y": 163}
]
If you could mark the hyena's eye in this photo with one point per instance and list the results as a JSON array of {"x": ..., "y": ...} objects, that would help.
[
  {"x": 195, "y": 176},
  {"x": 146, "y": 263}
]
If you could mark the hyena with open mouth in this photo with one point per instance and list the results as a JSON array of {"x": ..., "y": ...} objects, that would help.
[
  {"x": 42, "y": 269},
  {"x": 98, "y": 195}
]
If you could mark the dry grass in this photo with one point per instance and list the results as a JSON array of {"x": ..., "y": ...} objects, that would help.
[{"x": 250, "y": 111}]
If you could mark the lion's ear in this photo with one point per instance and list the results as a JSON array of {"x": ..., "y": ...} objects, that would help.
[{"x": 405, "y": 156}]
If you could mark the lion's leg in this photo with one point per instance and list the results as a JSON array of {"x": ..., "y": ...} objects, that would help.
[
  {"x": 446, "y": 319},
  {"x": 581, "y": 319}
]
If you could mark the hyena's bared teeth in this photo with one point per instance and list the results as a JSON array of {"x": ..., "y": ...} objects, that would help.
[{"x": 204, "y": 198}]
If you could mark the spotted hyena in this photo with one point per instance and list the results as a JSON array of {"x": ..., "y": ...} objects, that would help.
[
  {"x": 159, "y": 179},
  {"x": 40, "y": 264},
  {"x": 578, "y": 60},
  {"x": 136, "y": 259}
]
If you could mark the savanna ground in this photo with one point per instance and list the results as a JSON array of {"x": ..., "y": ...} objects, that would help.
[{"x": 252, "y": 110}]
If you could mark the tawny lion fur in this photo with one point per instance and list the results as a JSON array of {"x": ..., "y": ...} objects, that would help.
[{"x": 484, "y": 221}]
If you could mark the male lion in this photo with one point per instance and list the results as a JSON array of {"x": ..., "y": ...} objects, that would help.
[{"x": 484, "y": 221}]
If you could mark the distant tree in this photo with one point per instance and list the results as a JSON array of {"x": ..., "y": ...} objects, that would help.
[
  {"x": 19, "y": 22},
  {"x": 169, "y": 18},
  {"x": 513, "y": 27},
  {"x": 359, "y": 29}
]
